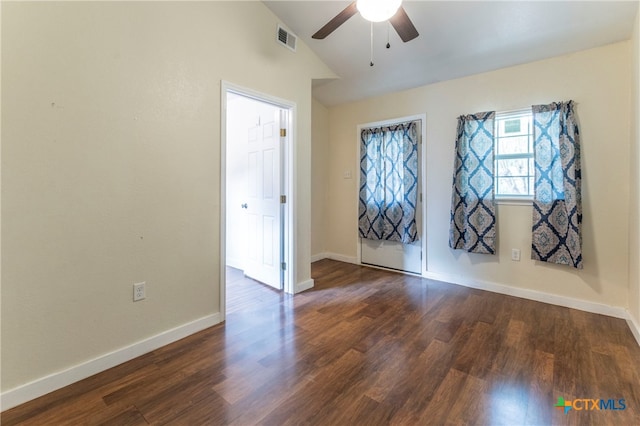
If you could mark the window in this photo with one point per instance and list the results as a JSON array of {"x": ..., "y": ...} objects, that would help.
[{"x": 514, "y": 167}]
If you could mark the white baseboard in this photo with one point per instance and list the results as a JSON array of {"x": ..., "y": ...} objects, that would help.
[
  {"x": 52, "y": 382},
  {"x": 342, "y": 258},
  {"x": 634, "y": 327},
  {"x": 568, "y": 302},
  {"x": 319, "y": 256},
  {"x": 304, "y": 285},
  {"x": 335, "y": 256}
]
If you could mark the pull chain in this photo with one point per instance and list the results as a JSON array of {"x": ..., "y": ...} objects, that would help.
[
  {"x": 371, "y": 47},
  {"x": 388, "y": 25}
]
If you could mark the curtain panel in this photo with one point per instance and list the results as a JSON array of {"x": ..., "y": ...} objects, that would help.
[
  {"x": 557, "y": 204},
  {"x": 389, "y": 183},
  {"x": 473, "y": 212}
]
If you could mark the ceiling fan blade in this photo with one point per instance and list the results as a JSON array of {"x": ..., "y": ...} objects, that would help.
[
  {"x": 403, "y": 25},
  {"x": 338, "y": 20}
]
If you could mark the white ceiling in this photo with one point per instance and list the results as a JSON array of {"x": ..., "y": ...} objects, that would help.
[{"x": 457, "y": 38}]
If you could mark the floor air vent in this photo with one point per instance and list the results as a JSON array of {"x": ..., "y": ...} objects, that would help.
[{"x": 285, "y": 37}]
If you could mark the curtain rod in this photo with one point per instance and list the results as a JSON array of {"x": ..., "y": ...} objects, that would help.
[
  {"x": 527, "y": 109},
  {"x": 390, "y": 123}
]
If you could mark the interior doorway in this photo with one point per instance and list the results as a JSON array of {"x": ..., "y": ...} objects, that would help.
[
  {"x": 391, "y": 158},
  {"x": 254, "y": 228},
  {"x": 256, "y": 188}
]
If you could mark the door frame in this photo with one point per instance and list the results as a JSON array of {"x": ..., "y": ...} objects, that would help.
[
  {"x": 287, "y": 155},
  {"x": 423, "y": 182}
]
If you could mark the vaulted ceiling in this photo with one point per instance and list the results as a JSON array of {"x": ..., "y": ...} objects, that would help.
[{"x": 457, "y": 38}]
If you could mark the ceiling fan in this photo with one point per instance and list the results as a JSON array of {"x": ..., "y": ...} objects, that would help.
[{"x": 374, "y": 11}]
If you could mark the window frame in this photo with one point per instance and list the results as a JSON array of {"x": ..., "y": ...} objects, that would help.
[{"x": 513, "y": 199}]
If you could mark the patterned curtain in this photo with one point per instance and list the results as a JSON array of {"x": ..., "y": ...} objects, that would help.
[
  {"x": 473, "y": 211},
  {"x": 557, "y": 205},
  {"x": 389, "y": 183}
]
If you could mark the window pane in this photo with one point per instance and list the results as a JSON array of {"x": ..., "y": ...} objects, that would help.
[
  {"x": 513, "y": 145},
  {"x": 512, "y": 186},
  {"x": 513, "y": 126},
  {"x": 514, "y": 176},
  {"x": 513, "y": 167}
]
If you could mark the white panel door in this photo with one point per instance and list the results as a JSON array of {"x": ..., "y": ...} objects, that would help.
[{"x": 263, "y": 262}]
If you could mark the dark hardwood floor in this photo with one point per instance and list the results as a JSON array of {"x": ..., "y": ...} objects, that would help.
[{"x": 367, "y": 347}]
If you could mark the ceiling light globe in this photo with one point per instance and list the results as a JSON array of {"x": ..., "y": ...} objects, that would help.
[{"x": 377, "y": 10}]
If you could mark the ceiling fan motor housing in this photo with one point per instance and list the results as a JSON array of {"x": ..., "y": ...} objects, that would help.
[{"x": 377, "y": 10}]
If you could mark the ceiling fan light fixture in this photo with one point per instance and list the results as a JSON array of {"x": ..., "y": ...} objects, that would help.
[{"x": 377, "y": 10}]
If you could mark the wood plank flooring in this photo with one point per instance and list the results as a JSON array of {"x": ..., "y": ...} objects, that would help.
[{"x": 367, "y": 347}]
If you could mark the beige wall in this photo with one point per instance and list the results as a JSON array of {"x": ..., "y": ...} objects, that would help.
[
  {"x": 634, "y": 217},
  {"x": 598, "y": 80},
  {"x": 319, "y": 175},
  {"x": 110, "y": 167}
]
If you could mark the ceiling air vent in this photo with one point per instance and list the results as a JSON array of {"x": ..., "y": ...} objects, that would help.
[{"x": 285, "y": 37}]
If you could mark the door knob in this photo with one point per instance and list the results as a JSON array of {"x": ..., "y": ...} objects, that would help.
[{"x": 244, "y": 206}]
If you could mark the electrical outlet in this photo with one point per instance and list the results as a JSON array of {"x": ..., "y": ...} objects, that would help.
[
  {"x": 515, "y": 254},
  {"x": 138, "y": 292}
]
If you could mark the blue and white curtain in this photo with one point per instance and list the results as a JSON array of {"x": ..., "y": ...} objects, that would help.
[
  {"x": 389, "y": 183},
  {"x": 473, "y": 211},
  {"x": 557, "y": 204}
]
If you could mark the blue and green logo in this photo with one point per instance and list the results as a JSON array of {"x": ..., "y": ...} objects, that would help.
[{"x": 589, "y": 404}]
